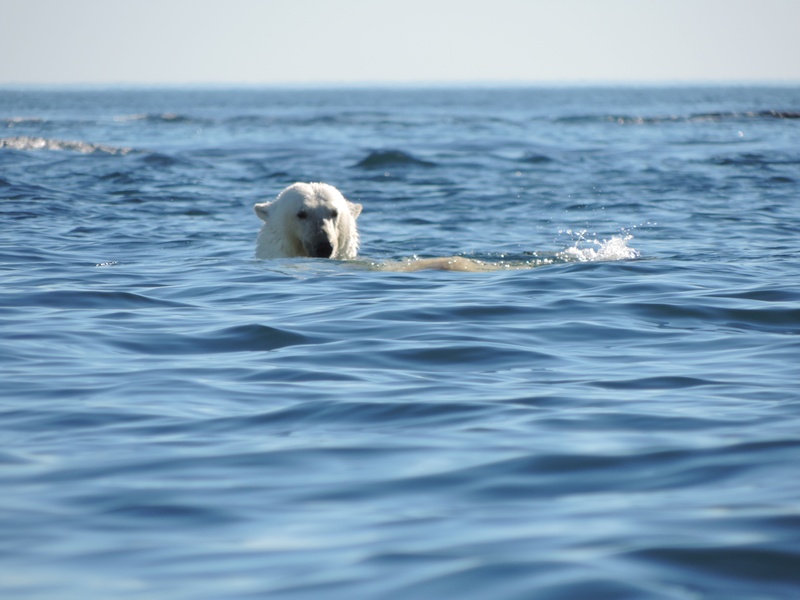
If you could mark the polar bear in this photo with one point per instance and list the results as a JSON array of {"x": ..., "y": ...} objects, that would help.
[
  {"x": 308, "y": 220},
  {"x": 314, "y": 220}
]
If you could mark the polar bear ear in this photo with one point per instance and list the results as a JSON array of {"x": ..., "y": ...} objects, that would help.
[
  {"x": 262, "y": 210},
  {"x": 355, "y": 209}
]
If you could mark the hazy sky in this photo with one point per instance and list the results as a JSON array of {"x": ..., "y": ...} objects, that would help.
[{"x": 429, "y": 41}]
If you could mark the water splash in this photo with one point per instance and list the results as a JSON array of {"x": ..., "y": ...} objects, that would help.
[{"x": 594, "y": 250}]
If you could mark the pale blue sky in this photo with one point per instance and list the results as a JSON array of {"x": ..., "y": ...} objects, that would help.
[{"x": 422, "y": 41}]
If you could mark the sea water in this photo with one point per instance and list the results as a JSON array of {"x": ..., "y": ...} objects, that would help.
[{"x": 613, "y": 412}]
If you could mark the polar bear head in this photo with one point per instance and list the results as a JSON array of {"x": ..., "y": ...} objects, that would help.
[{"x": 308, "y": 219}]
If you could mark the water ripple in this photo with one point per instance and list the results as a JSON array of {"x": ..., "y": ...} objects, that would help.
[
  {"x": 244, "y": 338},
  {"x": 596, "y": 415}
]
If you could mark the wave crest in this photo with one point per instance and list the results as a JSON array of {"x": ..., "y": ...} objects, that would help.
[
  {"x": 40, "y": 143},
  {"x": 379, "y": 159},
  {"x": 156, "y": 118},
  {"x": 685, "y": 118}
]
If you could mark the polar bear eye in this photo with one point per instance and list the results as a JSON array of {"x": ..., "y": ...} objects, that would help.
[
  {"x": 334, "y": 213},
  {"x": 302, "y": 214}
]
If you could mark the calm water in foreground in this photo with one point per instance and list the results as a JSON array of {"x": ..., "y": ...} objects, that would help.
[{"x": 618, "y": 419}]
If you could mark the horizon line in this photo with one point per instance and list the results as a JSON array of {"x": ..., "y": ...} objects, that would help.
[{"x": 407, "y": 84}]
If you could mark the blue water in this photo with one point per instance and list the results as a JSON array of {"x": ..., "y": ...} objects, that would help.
[{"x": 618, "y": 419}]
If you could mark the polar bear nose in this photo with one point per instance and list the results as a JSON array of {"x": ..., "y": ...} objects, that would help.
[{"x": 323, "y": 250}]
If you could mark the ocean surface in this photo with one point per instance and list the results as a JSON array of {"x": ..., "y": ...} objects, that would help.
[{"x": 612, "y": 413}]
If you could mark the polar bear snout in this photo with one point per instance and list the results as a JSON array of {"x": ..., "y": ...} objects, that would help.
[
  {"x": 322, "y": 249},
  {"x": 321, "y": 242}
]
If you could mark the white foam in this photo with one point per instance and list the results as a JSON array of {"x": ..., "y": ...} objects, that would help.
[
  {"x": 594, "y": 250},
  {"x": 13, "y": 121},
  {"x": 40, "y": 143}
]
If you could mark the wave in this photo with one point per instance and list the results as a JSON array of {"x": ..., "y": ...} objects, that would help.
[
  {"x": 242, "y": 338},
  {"x": 759, "y": 114},
  {"x": 157, "y": 118},
  {"x": 379, "y": 159},
  {"x": 535, "y": 158},
  {"x": 752, "y": 159},
  {"x": 14, "y": 121},
  {"x": 28, "y": 143},
  {"x": 89, "y": 299},
  {"x": 690, "y": 118}
]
